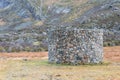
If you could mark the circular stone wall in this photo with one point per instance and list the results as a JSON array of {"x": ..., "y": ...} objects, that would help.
[{"x": 75, "y": 46}]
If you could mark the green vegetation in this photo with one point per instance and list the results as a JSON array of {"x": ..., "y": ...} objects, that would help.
[
  {"x": 46, "y": 63},
  {"x": 111, "y": 43}
]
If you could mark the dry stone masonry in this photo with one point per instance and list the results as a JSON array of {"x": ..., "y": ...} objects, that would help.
[{"x": 75, "y": 46}]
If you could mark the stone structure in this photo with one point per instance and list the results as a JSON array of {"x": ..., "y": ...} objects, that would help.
[{"x": 75, "y": 46}]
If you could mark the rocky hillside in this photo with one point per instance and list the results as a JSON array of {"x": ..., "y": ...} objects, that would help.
[{"x": 24, "y": 23}]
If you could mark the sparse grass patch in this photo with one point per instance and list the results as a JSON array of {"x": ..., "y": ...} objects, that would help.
[
  {"x": 35, "y": 62},
  {"x": 46, "y": 63},
  {"x": 41, "y": 69}
]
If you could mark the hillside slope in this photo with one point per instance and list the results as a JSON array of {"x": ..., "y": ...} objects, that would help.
[{"x": 24, "y": 23}]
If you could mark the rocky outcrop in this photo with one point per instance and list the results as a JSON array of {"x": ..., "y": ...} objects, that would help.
[{"x": 18, "y": 8}]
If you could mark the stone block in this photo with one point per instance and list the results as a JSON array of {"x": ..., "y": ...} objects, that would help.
[{"x": 75, "y": 46}]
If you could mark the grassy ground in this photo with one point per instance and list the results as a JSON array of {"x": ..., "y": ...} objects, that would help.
[{"x": 40, "y": 69}]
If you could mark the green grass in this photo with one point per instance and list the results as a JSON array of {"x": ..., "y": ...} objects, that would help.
[{"x": 46, "y": 63}]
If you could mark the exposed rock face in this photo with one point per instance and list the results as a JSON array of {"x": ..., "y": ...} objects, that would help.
[
  {"x": 4, "y": 3},
  {"x": 18, "y": 8},
  {"x": 16, "y": 27},
  {"x": 75, "y": 46}
]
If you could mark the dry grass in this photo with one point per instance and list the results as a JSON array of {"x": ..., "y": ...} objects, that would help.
[
  {"x": 23, "y": 55},
  {"x": 112, "y": 53},
  {"x": 40, "y": 69}
]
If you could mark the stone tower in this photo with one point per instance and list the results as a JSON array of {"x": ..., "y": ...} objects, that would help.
[{"x": 75, "y": 46}]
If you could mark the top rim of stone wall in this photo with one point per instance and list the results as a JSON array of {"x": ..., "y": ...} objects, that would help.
[{"x": 73, "y": 28}]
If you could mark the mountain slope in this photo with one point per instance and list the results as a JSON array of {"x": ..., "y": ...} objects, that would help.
[{"x": 24, "y": 23}]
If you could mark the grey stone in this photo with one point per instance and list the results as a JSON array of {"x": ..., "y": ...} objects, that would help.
[{"x": 75, "y": 46}]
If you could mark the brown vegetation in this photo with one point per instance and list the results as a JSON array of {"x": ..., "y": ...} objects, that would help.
[
  {"x": 24, "y": 55},
  {"x": 110, "y": 54}
]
